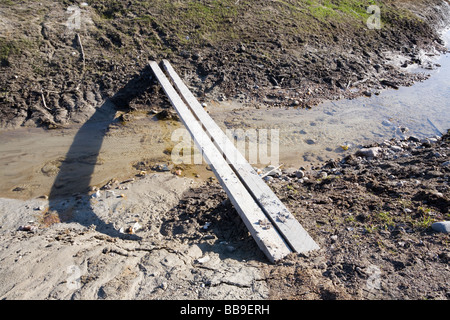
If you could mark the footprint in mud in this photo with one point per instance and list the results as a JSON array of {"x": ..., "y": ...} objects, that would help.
[{"x": 51, "y": 168}]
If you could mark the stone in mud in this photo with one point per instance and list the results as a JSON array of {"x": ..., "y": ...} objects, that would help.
[
  {"x": 300, "y": 174},
  {"x": 441, "y": 226},
  {"x": 271, "y": 171},
  {"x": 396, "y": 148},
  {"x": 161, "y": 167},
  {"x": 413, "y": 138},
  {"x": 372, "y": 152}
]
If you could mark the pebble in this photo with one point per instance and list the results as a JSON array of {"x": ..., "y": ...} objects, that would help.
[
  {"x": 96, "y": 194},
  {"x": 400, "y": 184},
  {"x": 203, "y": 259},
  {"x": 299, "y": 174},
  {"x": 28, "y": 228},
  {"x": 441, "y": 226},
  {"x": 396, "y": 148},
  {"x": 369, "y": 152},
  {"x": 446, "y": 164},
  {"x": 414, "y": 139},
  {"x": 206, "y": 226}
]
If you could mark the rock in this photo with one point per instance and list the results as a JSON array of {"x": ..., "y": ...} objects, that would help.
[
  {"x": 446, "y": 164},
  {"x": 403, "y": 129},
  {"x": 206, "y": 225},
  {"x": 441, "y": 226},
  {"x": 413, "y": 138},
  {"x": 161, "y": 167},
  {"x": 396, "y": 148},
  {"x": 389, "y": 84},
  {"x": 203, "y": 260},
  {"x": 299, "y": 174},
  {"x": 400, "y": 184},
  {"x": 28, "y": 228},
  {"x": 373, "y": 152},
  {"x": 96, "y": 194}
]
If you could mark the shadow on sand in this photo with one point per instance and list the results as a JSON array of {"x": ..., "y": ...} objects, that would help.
[{"x": 76, "y": 170}]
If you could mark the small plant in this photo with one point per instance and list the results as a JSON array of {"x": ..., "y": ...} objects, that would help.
[
  {"x": 385, "y": 218},
  {"x": 424, "y": 222},
  {"x": 370, "y": 228},
  {"x": 350, "y": 219}
]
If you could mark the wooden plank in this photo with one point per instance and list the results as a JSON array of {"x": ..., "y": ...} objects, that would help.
[
  {"x": 289, "y": 227},
  {"x": 265, "y": 235}
]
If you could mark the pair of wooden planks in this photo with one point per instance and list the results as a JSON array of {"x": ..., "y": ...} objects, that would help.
[{"x": 273, "y": 227}]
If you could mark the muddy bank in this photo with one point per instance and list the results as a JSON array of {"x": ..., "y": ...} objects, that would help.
[{"x": 61, "y": 60}]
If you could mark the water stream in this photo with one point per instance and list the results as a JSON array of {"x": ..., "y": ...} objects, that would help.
[
  {"x": 307, "y": 136},
  {"x": 31, "y": 158}
]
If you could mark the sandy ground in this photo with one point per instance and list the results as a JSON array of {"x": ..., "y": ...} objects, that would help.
[{"x": 94, "y": 254}]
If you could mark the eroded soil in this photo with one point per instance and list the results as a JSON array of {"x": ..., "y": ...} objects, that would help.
[{"x": 60, "y": 60}]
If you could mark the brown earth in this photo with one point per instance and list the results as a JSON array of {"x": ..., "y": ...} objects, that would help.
[
  {"x": 61, "y": 60},
  {"x": 371, "y": 217}
]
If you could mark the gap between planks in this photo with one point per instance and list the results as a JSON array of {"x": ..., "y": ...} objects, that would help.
[
  {"x": 266, "y": 236},
  {"x": 291, "y": 230}
]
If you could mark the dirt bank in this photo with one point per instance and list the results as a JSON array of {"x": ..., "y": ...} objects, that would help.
[{"x": 61, "y": 59}]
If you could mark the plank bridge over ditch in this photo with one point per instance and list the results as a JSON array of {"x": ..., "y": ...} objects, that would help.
[{"x": 276, "y": 231}]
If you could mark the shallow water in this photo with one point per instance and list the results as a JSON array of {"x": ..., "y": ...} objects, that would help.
[
  {"x": 38, "y": 162},
  {"x": 34, "y": 162},
  {"x": 317, "y": 134}
]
